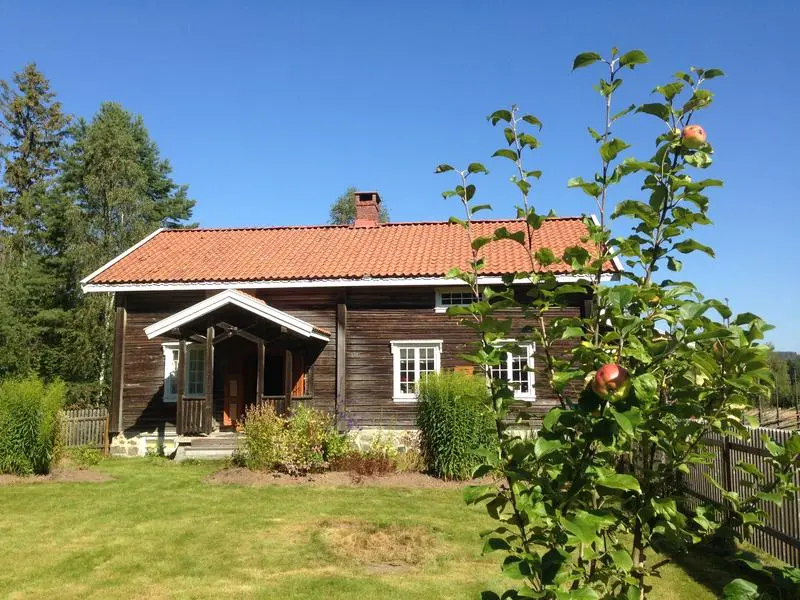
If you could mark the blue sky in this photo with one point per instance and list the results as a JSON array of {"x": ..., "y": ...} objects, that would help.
[{"x": 269, "y": 111}]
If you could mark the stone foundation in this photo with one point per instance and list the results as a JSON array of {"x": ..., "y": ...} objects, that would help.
[
  {"x": 144, "y": 443},
  {"x": 401, "y": 439}
]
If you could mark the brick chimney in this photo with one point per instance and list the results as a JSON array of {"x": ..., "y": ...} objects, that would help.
[{"x": 367, "y": 209}]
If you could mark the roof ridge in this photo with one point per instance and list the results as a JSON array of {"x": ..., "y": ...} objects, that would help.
[{"x": 383, "y": 225}]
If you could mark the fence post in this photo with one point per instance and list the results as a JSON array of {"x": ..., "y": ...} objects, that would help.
[
  {"x": 727, "y": 473},
  {"x": 106, "y": 441}
]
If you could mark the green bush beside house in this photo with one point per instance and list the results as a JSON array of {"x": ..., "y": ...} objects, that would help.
[
  {"x": 455, "y": 423},
  {"x": 29, "y": 425}
]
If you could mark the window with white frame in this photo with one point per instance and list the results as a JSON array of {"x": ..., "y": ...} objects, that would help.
[
  {"x": 413, "y": 360},
  {"x": 457, "y": 296},
  {"x": 516, "y": 367},
  {"x": 194, "y": 373}
]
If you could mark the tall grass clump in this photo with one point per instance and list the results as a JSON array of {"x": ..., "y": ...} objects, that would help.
[
  {"x": 455, "y": 422},
  {"x": 29, "y": 425}
]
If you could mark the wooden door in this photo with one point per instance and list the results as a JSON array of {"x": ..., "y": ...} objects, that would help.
[{"x": 234, "y": 400}]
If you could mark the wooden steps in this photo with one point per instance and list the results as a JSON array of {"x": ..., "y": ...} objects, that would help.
[{"x": 212, "y": 447}]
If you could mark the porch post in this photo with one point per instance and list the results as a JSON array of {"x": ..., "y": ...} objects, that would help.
[
  {"x": 209, "y": 383},
  {"x": 179, "y": 408},
  {"x": 287, "y": 378},
  {"x": 341, "y": 358},
  {"x": 260, "y": 374},
  {"x": 118, "y": 365}
]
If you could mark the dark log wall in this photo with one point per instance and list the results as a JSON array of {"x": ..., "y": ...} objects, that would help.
[
  {"x": 143, "y": 385},
  {"x": 375, "y": 317},
  {"x": 317, "y": 307}
]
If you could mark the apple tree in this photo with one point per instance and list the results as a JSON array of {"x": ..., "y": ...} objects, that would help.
[{"x": 653, "y": 366}]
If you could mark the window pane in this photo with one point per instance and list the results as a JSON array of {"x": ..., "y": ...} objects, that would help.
[
  {"x": 518, "y": 373},
  {"x": 413, "y": 363},
  {"x": 195, "y": 373},
  {"x": 460, "y": 298},
  {"x": 407, "y": 371},
  {"x": 500, "y": 371},
  {"x": 512, "y": 368},
  {"x": 172, "y": 379}
]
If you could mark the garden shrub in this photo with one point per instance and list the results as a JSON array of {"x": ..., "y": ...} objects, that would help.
[
  {"x": 305, "y": 441},
  {"x": 455, "y": 422},
  {"x": 29, "y": 425},
  {"x": 84, "y": 456}
]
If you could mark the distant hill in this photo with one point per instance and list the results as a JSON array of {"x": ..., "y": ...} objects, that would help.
[{"x": 783, "y": 355}]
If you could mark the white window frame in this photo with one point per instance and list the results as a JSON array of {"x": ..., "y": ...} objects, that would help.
[
  {"x": 530, "y": 349},
  {"x": 441, "y": 307},
  {"x": 397, "y": 345},
  {"x": 170, "y": 350}
]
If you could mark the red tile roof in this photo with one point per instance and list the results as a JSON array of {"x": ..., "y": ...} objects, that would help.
[{"x": 330, "y": 252}]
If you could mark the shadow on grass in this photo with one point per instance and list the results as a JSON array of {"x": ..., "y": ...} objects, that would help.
[{"x": 715, "y": 568}]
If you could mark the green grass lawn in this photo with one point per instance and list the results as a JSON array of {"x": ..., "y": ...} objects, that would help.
[{"x": 158, "y": 531}]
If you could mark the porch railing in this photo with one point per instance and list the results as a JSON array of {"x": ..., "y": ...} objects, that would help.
[{"x": 193, "y": 415}]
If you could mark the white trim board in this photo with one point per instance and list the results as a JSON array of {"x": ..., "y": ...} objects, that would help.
[
  {"x": 314, "y": 283},
  {"x": 116, "y": 259},
  {"x": 241, "y": 300}
]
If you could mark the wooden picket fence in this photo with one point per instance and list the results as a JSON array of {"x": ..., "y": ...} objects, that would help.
[
  {"x": 85, "y": 427},
  {"x": 780, "y": 536}
]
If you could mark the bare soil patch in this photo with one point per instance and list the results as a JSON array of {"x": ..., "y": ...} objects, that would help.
[
  {"x": 241, "y": 476},
  {"x": 59, "y": 475},
  {"x": 381, "y": 548}
]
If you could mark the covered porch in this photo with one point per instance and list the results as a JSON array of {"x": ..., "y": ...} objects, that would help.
[{"x": 233, "y": 350}]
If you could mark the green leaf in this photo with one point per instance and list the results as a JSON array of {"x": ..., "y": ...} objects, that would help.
[
  {"x": 624, "y": 112},
  {"x": 595, "y": 136},
  {"x": 612, "y": 148},
  {"x": 543, "y": 447},
  {"x": 620, "y": 481},
  {"x": 590, "y": 188},
  {"x": 443, "y": 168},
  {"x": 545, "y": 257},
  {"x": 711, "y": 73},
  {"x": 479, "y": 207},
  {"x": 572, "y": 331},
  {"x": 493, "y": 544},
  {"x": 476, "y": 168},
  {"x": 526, "y": 139},
  {"x": 623, "y": 421},
  {"x": 739, "y": 589},
  {"x": 662, "y": 111},
  {"x": 670, "y": 90},
  {"x": 507, "y": 153},
  {"x": 531, "y": 120},
  {"x": 632, "y": 58},
  {"x": 750, "y": 469},
  {"x": 622, "y": 559},
  {"x": 551, "y": 418},
  {"x": 476, "y": 493},
  {"x": 583, "y": 526},
  {"x": 585, "y": 59},
  {"x": 499, "y": 115},
  {"x": 688, "y": 246}
]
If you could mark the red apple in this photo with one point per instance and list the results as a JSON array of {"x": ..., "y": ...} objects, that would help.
[
  {"x": 611, "y": 382},
  {"x": 694, "y": 136}
]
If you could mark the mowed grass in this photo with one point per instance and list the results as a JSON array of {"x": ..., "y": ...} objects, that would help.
[{"x": 158, "y": 531}]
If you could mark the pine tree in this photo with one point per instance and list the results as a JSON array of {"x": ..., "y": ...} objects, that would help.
[
  {"x": 33, "y": 138},
  {"x": 122, "y": 190}
]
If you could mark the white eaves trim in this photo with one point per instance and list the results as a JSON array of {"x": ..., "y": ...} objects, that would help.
[
  {"x": 116, "y": 259},
  {"x": 244, "y": 301},
  {"x": 311, "y": 283}
]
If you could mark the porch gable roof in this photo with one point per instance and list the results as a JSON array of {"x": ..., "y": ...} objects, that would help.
[{"x": 240, "y": 300}]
